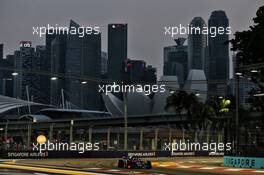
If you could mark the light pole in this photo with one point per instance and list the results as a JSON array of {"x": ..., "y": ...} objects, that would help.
[
  {"x": 83, "y": 83},
  {"x": 15, "y": 85},
  {"x": 125, "y": 120},
  {"x": 6, "y": 130},
  {"x": 54, "y": 90},
  {"x": 238, "y": 74}
]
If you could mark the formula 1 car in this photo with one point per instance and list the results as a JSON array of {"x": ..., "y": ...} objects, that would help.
[{"x": 134, "y": 163}]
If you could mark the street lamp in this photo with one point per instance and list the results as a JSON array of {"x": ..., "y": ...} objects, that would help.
[
  {"x": 14, "y": 74},
  {"x": 259, "y": 95},
  {"x": 238, "y": 73},
  {"x": 53, "y": 78},
  {"x": 197, "y": 94},
  {"x": 84, "y": 82},
  {"x": 254, "y": 71},
  {"x": 172, "y": 92}
]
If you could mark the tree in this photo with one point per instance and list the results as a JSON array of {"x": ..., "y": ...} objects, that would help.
[
  {"x": 175, "y": 101},
  {"x": 181, "y": 101},
  {"x": 249, "y": 44}
]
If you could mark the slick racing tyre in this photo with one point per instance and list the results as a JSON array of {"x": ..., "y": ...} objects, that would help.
[
  {"x": 120, "y": 164},
  {"x": 148, "y": 165}
]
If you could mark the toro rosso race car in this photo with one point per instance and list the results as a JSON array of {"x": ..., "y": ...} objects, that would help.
[{"x": 134, "y": 163}]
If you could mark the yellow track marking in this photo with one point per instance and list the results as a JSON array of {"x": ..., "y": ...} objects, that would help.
[
  {"x": 9, "y": 162},
  {"x": 42, "y": 166},
  {"x": 47, "y": 170}
]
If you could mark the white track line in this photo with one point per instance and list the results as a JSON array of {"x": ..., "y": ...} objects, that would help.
[
  {"x": 184, "y": 166},
  {"x": 113, "y": 170},
  {"x": 233, "y": 169},
  {"x": 259, "y": 171},
  {"x": 207, "y": 168},
  {"x": 93, "y": 168}
]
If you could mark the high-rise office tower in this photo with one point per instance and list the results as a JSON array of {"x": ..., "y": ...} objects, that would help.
[
  {"x": 134, "y": 70},
  {"x": 58, "y": 52},
  {"x": 197, "y": 42},
  {"x": 218, "y": 54},
  {"x": 83, "y": 58},
  {"x": 150, "y": 75},
  {"x": 176, "y": 60},
  {"x": 49, "y": 39},
  {"x": 91, "y": 66},
  {"x": 1, "y": 51},
  {"x": 245, "y": 86},
  {"x": 104, "y": 63},
  {"x": 117, "y": 51},
  {"x": 6, "y": 79},
  {"x": 27, "y": 83},
  {"x": 137, "y": 72},
  {"x": 1, "y": 65},
  {"x": 41, "y": 64},
  {"x": 46, "y": 64},
  {"x": 16, "y": 85}
]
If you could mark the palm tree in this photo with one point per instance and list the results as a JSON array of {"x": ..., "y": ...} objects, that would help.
[
  {"x": 174, "y": 101},
  {"x": 181, "y": 101}
]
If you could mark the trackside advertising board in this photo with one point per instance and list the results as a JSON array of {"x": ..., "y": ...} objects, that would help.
[{"x": 244, "y": 162}]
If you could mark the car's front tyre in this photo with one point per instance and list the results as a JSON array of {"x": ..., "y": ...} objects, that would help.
[
  {"x": 120, "y": 164},
  {"x": 148, "y": 165}
]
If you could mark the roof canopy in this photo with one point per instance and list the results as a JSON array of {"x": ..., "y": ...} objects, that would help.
[{"x": 8, "y": 103}]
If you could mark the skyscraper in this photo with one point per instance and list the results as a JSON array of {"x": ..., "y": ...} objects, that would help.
[
  {"x": 150, "y": 75},
  {"x": 49, "y": 39},
  {"x": 58, "y": 52},
  {"x": 218, "y": 53},
  {"x": 83, "y": 58},
  {"x": 27, "y": 83},
  {"x": 1, "y": 51},
  {"x": 104, "y": 62},
  {"x": 46, "y": 65},
  {"x": 176, "y": 60},
  {"x": 197, "y": 46},
  {"x": 6, "y": 79},
  {"x": 245, "y": 86},
  {"x": 91, "y": 66},
  {"x": 134, "y": 70},
  {"x": 41, "y": 64},
  {"x": 117, "y": 50}
]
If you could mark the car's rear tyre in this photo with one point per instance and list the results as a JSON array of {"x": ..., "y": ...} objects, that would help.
[
  {"x": 120, "y": 164},
  {"x": 148, "y": 165}
]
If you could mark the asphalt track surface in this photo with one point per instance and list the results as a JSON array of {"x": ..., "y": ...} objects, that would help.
[{"x": 177, "y": 167}]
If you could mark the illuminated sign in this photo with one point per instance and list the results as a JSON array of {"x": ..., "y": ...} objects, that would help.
[
  {"x": 244, "y": 162},
  {"x": 25, "y": 43}
]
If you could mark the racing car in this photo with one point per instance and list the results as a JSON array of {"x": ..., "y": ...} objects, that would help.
[{"x": 134, "y": 163}]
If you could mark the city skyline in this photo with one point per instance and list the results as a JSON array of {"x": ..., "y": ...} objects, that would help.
[{"x": 145, "y": 39}]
